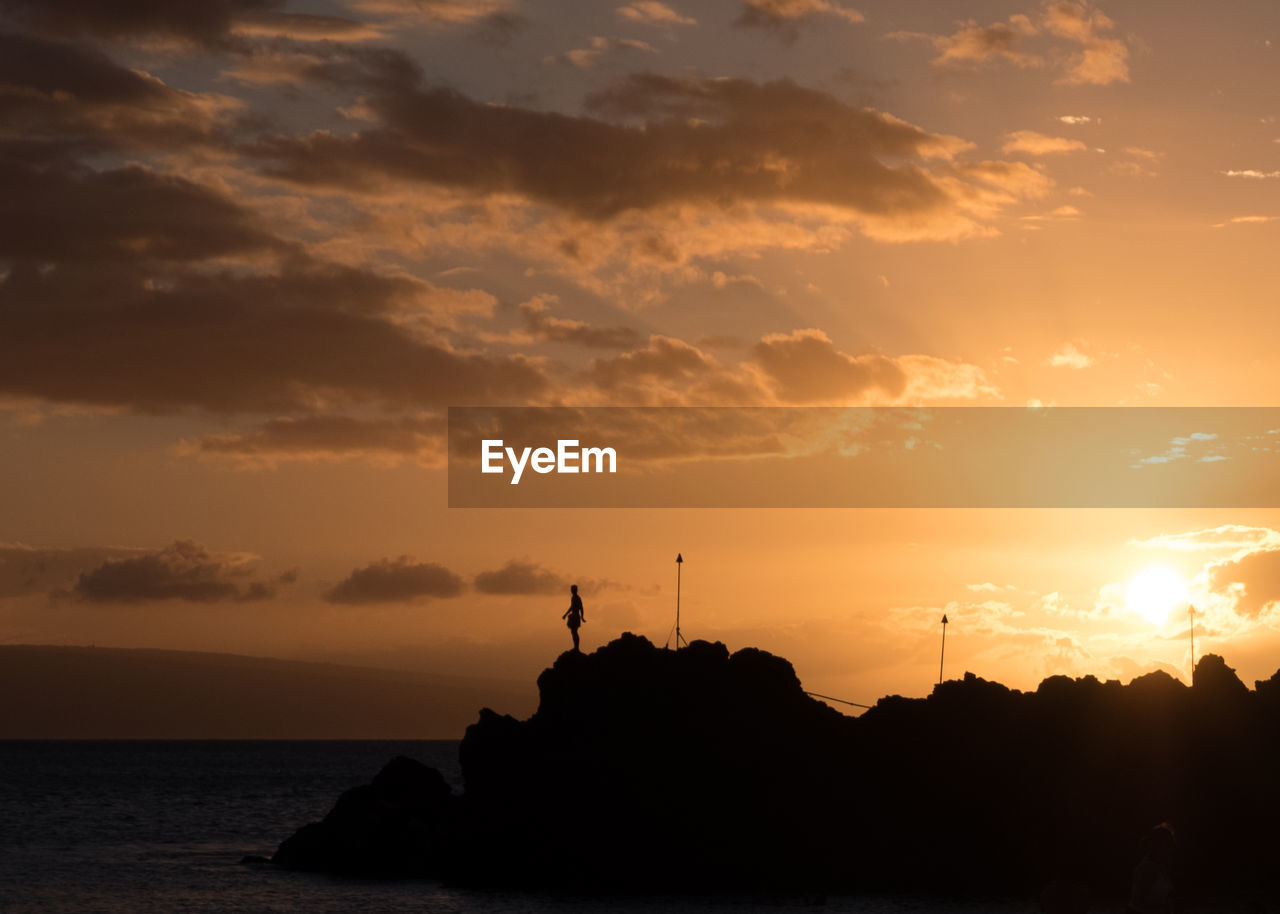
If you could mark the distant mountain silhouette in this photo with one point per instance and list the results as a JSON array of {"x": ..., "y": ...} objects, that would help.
[
  {"x": 645, "y": 769},
  {"x": 112, "y": 693}
]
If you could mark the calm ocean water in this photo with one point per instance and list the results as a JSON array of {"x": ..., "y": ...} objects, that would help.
[{"x": 105, "y": 827}]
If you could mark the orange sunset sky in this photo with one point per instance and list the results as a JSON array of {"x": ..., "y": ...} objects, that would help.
[{"x": 251, "y": 251}]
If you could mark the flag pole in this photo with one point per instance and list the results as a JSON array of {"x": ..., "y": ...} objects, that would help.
[
  {"x": 679, "y": 566},
  {"x": 944, "y": 648}
]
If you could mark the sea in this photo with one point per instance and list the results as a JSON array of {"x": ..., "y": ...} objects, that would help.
[{"x": 139, "y": 826}]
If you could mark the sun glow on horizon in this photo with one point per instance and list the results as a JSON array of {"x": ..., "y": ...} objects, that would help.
[{"x": 1155, "y": 592}]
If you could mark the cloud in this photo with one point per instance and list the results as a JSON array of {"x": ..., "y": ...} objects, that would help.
[
  {"x": 1252, "y": 174},
  {"x": 521, "y": 578},
  {"x": 1037, "y": 144},
  {"x": 974, "y": 618},
  {"x": 657, "y": 173},
  {"x": 303, "y": 27},
  {"x": 1139, "y": 163},
  {"x": 1075, "y": 119},
  {"x": 1070, "y": 355},
  {"x": 400, "y": 580},
  {"x": 651, "y": 12},
  {"x": 1228, "y": 536},
  {"x": 668, "y": 371},
  {"x": 1101, "y": 60},
  {"x": 1095, "y": 58},
  {"x": 203, "y": 22},
  {"x": 272, "y": 66},
  {"x": 236, "y": 342},
  {"x": 597, "y": 48},
  {"x": 437, "y": 13},
  {"x": 327, "y": 438},
  {"x": 995, "y": 185},
  {"x": 542, "y": 325},
  {"x": 184, "y": 570},
  {"x": 974, "y": 45},
  {"x": 132, "y": 213},
  {"x": 1246, "y": 220},
  {"x": 71, "y": 98},
  {"x": 29, "y": 569},
  {"x": 1197, "y": 444},
  {"x": 1058, "y": 214},
  {"x": 800, "y": 368},
  {"x": 708, "y": 142},
  {"x": 805, "y": 367},
  {"x": 1253, "y": 581},
  {"x": 782, "y": 16},
  {"x": 165, "y": 293}
]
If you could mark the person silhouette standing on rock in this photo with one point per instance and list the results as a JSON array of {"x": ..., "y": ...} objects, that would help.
[{"x": 575, "y": 615}]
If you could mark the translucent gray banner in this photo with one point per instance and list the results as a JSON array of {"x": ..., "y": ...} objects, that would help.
[{"x": 864, "y": 457}]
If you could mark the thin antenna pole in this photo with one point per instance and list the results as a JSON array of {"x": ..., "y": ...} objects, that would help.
[
  {"x": 1191, "y": 612},
  {"x": 944, "y": 649},
  {"x": 679, "y": 566}
]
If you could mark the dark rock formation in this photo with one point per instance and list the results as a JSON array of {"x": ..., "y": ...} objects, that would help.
[
  {"x": 653, "y": 770},
  {"x": 645, "y": 768},
  {"x": 397, "y": 826}
]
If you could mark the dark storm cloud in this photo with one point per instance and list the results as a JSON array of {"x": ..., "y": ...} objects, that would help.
[
  {"x": 184, "y": 570},
  {"x": 233, "y": 342},
  {"x": 75, "y": 214},
  {"x": 1255, "y": 575},
  {"x": 398, "y": 580},
  {"x": 667, "y": 141},
  {"x": 199, "y": 21}
]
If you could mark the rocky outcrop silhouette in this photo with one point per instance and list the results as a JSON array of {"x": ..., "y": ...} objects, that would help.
[
  {"x": 397, "y": 826},
  {"x": 645, "y": 769}
]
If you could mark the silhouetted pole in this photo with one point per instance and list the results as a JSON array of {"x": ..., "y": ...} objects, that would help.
[
  {"x": 679, "y": 565},
  {"x": 944, "y": 648},
  {"x": 1191, "y": 613}
]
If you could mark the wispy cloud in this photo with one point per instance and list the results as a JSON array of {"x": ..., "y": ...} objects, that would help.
[
  {"x": 783, "y": 16},
  {"x": 1070, "y": 355},
  {"x": 1195, "y": 446},
  {"x": 1038, "y": 144},
  {"x": 651, "y": 12},
  {"x": 1246, "y": 220},
  {"x": 597, "y": 48},
  {"x": 1097, "y": 59}
]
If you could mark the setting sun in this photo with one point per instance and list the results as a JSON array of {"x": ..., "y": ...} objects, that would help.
[{"x": 1155, "y": 592}]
